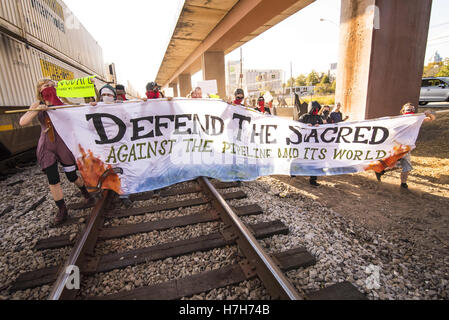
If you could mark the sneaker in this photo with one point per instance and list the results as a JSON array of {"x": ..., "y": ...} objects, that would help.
[
  {"x": 314, "y": 183},
  {"x": 61, "y": 216},
  {"x": 379, "y": 175},
  {"x": 404, "y": 185}
]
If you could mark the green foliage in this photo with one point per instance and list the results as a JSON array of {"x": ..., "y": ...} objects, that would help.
[
  {"x": 444, "y": 69},
  {"x": 300, "y": 81},
  {"x": 324, "y": 84},
  {"x": 313, "y": 78},
  {"x": 290, "y": 82},
  {"x": 323, "y": 100},
  {"x": 432, "y": 69},
  {"x": 325, "y": 79}
]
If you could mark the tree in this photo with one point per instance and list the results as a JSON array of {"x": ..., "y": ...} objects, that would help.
[
  {"x": 334, "y": 86},
  {"x": 444, "y": 70},
  {"x": 300, "y": 81},
  {"x": 432, "y": 69},
  {"x": 325, "y": 79},
  {"x": 312, "y": 78},
  {"x": 290, "y": 82}
]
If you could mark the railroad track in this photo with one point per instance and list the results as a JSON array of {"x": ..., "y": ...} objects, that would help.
[
  {"x": 15, "y": 164},
  {"x": 253, "y": 260}
]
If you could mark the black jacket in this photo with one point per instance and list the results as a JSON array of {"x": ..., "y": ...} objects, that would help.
[{"x": 309, "y": 117}]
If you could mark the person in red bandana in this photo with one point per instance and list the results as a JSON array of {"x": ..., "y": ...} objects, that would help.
[
  {"x": 153, "y": 91},
  {"x": 261, "y": 104},
  {"x": 239, "y": 96},
  {"x": 51, "y": 149},
  {"x": 121, "y": 93},
  {"x": 406, "y": 162}
]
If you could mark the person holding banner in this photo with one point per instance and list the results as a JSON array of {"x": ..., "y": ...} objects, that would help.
[
  {"x": 121, "y": 93},
  {"x": 108, "y": 94},
  {"x": 312, "y": 118},
  {"x": 261, "y": 104},
  {"x": 324, "y": 113},
  {"x": 336, "y": 116},
  {"x": 51, "y": 149},
  {"x": 197, "y": 93},
  {"x": 153, "y": 91},
  {"x": 406, "y": 162},
  {"x": 239, "y": 96}
]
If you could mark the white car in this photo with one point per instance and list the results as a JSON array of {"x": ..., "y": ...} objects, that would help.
[{"x": 434, "y": 89}]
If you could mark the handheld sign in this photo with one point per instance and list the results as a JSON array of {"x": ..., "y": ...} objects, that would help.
[
  {"x": 76, "y": 88},
  {"x": 208, "y": 87}
]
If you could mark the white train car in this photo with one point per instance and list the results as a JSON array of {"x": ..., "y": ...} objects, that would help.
[{"x": 39, "y": 39}]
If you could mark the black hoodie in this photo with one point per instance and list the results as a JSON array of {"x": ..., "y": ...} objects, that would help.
[{"x": 311, "y": 118}]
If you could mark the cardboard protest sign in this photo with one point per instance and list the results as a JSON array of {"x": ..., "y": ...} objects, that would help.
[{"x": 208, "y": 87}]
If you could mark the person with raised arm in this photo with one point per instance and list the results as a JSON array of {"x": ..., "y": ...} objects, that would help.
[{"x": 51, "y": 149}]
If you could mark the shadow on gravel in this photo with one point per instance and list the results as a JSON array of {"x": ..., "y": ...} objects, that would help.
[{"x": 382, "y": 207}]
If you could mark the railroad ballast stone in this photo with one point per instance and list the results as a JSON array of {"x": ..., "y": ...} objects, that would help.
[{"x": 344, "y": 251}]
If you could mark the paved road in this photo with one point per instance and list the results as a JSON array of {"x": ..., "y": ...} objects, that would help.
[{"x": 437, "y": 105}]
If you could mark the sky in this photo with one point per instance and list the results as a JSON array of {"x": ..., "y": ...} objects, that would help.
[{"x": 134, "y": 34}]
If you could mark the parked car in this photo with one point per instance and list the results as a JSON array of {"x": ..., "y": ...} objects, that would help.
[{"x": 434, "y": 89}]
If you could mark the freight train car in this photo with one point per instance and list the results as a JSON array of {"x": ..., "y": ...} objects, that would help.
[{"x": 39, "y": 39}]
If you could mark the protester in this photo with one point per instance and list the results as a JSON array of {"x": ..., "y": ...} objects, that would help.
[
  {"x": 197, "y": 93},
  {"x": 405, "y": 163},
  {"x": 336, "y": 116},
  {"x": 239, "y": 96},
  {"x": 51, "y": 149},
  {"x": 312, "y": 118},
  {"x": 261, "y": 104},
  {"x": 121, "y": 93},
  {"x": 324, "y": 113},
  {"x": 153, "y": 91},
  {"x": 108, "y": 94}
]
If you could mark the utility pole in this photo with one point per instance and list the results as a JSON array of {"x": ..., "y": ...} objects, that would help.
[{"x": 241, "y": 69}]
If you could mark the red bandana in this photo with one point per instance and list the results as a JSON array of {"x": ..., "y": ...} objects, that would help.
[
  {"x": 152, "y": 95},
  {"x": 49, "y": 95}
]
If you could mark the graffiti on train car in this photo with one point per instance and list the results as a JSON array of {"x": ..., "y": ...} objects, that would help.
[
  {"x": 55, "y": 72},
  {"x": 47, "y": 14}
]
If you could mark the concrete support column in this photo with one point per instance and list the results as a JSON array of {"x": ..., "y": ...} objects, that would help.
[
  {"x": 381, "y": 55},
  {"x": 174, "y": 86},
  {"x": 185, "y": 84},
  {"x": 213, "y": 66}
]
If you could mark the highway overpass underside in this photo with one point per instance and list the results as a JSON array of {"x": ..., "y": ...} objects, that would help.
[{"x": 381, "y": 51}]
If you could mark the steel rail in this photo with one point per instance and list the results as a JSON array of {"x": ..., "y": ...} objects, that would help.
[
  {"x": 267, "y": 270},
  {"x": 82, "y": 245}
]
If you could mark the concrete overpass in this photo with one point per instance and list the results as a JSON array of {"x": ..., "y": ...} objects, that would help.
[{"x": 381, "y": 54}]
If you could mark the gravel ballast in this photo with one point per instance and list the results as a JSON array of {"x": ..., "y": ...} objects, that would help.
[{"x": 376, "y": 263}]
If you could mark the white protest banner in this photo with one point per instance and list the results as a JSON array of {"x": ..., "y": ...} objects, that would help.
[{"x": 154, "y": 144}]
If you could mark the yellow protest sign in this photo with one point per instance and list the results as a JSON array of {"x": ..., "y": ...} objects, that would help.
[{"x": 76, "y": 88}]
